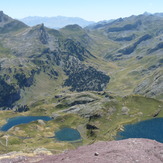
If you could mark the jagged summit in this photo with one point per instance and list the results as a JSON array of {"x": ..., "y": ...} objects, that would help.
[
  {"x": 40, "y": 32},
  {"x": 7, "y": 24},
  {"x": 4, "y": 18},
  {"x": 43, "y": 34}
]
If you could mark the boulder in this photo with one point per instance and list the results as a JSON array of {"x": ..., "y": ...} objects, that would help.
[{"x": 125, "y": 110}]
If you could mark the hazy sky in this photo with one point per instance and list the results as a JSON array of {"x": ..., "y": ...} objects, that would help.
[{"x": 95, "y": 10}]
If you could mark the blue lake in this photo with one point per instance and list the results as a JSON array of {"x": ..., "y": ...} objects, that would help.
[
  {"x": 22, "y": 120},
  {"x": 150, "y": 129},
  {"x": 67, "y": 134}
]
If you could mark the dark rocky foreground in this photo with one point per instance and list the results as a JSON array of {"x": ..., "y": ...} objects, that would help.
[{"x": 124, "y": 151}]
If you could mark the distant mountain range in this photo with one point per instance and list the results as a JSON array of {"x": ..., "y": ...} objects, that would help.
[
  {"x": 62, "y": 21},
  {"x": 55, "y": 22}
]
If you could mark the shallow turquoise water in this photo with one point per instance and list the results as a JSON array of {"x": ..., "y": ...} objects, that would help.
[
  {"x": 67, "y": 134},
  {"x": 150, "y": 129},
  {"x": 22, "y": 120}
]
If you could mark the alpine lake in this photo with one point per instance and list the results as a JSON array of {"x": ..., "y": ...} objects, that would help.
[
  {"x": 64, "y": 134},
  {"x": 149, "y": 129}
]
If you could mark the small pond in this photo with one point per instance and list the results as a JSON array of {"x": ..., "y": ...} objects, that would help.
[
  {"x": 22, "y": 120},
  {"x": 150, "y": 129},
  {"x": 67, "y": 134}
]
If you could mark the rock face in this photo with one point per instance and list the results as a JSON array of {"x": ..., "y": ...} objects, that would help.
[
  {"x": 151, "y": 87},
  {"x": 124, "y": 151},
  {"x": 3, "y": 17},
  {"x": 8, "y": 94},
  {"x": 131, "y": 49},
  {"x": 8, "y": 24},
  {"x": 158, "y": 46},
  {"x": 126, "y": 27}
]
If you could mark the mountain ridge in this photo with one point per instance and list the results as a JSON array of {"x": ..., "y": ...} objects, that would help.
[
  {"x": 40, "y": 49},
  {"x": 8, "y": 24}
]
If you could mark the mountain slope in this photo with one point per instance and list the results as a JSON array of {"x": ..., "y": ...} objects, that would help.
[
  {"x": 39, "y": 51},
  {"x": 8, "y": 24},
  {"x": 135, "y": 45},
  {"x": 133, "y": 50}
]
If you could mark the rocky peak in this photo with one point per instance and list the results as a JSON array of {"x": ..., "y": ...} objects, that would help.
[
  {"x": 8, "y": 24},
  {"x": 4, "y": 18},
  {"x": 43, "y": 34},
  {"x": 40, "y": 33}
]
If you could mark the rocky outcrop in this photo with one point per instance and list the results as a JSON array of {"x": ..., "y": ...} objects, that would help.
[
  {"x": 91, "y": 127},
  {"x": 40, "y": 33},
  {"x": 131, "y": 49},
  {"x": 124, "y": 151},
  {"x": 24, "y": 81},
  {"x": 127, "y": 38},
  {"x": 125, "y": 110},
  {"x": 75, "y": 49},
  {"x": 8, "y": 24},
  {"x": 79, "y": 101},
  {"x": 125, "y": 28},
  {"x": 43, "y": 35},
  {"x": 158, "y": 47},
  {"x": 8, "y": 94},
  {"x": 75, "y": 102},
  {"x": 4, "y": 18},
  {"x": 87, "y": 80},
  {"x": 151, "y": 87},
  {"x": 20, "y": 109}
]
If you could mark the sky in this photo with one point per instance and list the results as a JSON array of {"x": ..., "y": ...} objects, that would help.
[{"x": 93, "y": 10}]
